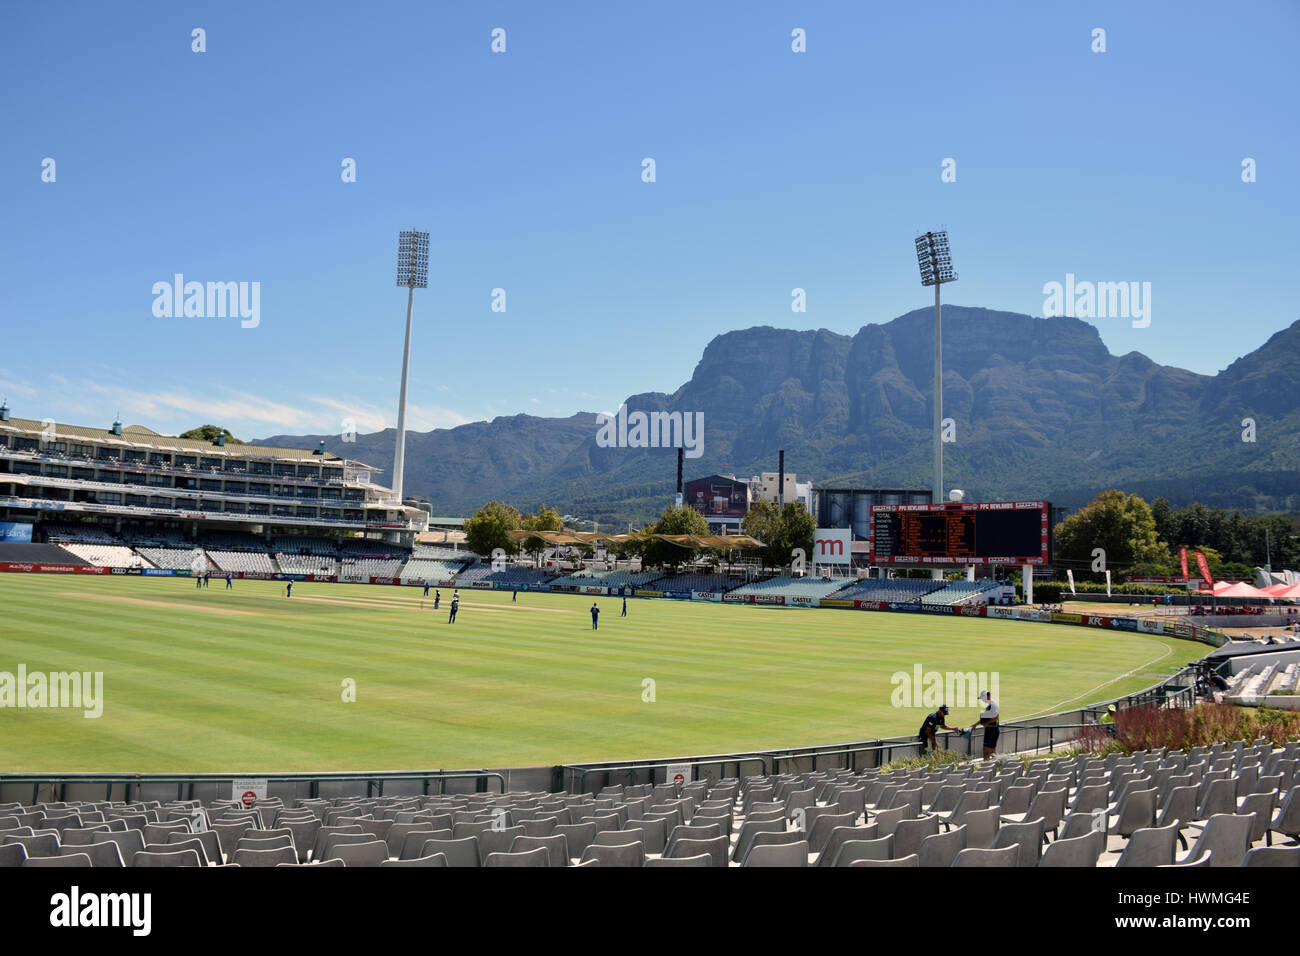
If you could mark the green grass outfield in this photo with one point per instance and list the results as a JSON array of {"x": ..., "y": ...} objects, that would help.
[{"x": 247, "y": 680}]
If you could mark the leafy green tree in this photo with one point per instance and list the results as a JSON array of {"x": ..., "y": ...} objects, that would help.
[
  {"x": 1121, "y": 525},
  {"x": 674, "y": 520},
  {"x": 794, "y": 528},
  {"x": 487, "y": 529},
  {"x": 760, "y": 522},
  {"x": 210, "y": 433}
]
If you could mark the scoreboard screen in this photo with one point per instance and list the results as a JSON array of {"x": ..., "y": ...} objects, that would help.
[{"x": 976, "y": 532}]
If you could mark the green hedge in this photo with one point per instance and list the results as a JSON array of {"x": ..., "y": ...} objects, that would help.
[{"x": 1053, "y": 592}]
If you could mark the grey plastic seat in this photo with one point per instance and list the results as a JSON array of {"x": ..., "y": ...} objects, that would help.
[
  {"x": 71, "y": 860},
  {"x": 413, "y": 844},
  {"x": 129, "y": 843},
  {"x": 157, "y": 832},
  {"x": 555, "y": 845},
  {"x": 717, "y": 849},
  {"x": 81, "y": 836},
  {"x": 942, "y": 848},
  {"x": 981, "y": 827},
  {"x": 778, "y": 854},
  {"x": 1205, "y": 860},
  {"x": 497, "y": 841},
  {"x": 173, "y": 858},
  {"x": 1273, "y": 856},
  {"x": 820, "y": 828},
  {"x": 702, "y": 860},
  {"x": 1287, "y": 820},
  {"x": 328, "y": 844},
  {"x": 459, "y": 853},
  {"x": 1079, "y": 851},
  {"x": 173, "y": 844},
  {"x": 579, "y": 836},
  {"x": 621, "y": 855},
  {"x": 539, "y": 857},
  {"x": 1150, "y": 846},
  {"x": 790, "y": 837},
  {"x": 976, "y": 857},
  {"x": 906, "y": 861},
  {"x": 259, "y": 843},
  {"x": 888, "y": 820},
  {"x": 245, "y": 856},
  {"x": 1028, "y": 835},
  {"x": 371, "y": 853},
  {"x": 880, "y": 848},
  {"x": 208, "y": 839},
  {"x": 38, "y": 845},
  {"x": 840, "y": 835},
  {"x": 1049, "y": 805},
  {"x": 908, "y": 834},
  {"x": 434, "y": 859},
  {"x": 748, "y": 829},
  {"x": 1135, "y": 811},
  {"x": 12, "y": 855},
  {"x": 1226, "y": 836}
]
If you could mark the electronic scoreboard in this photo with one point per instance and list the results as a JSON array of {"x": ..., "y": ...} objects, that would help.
[{"x": 965, "y": 532}]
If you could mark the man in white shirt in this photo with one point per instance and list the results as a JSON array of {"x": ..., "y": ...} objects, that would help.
[{"x": 988, "y": 719}]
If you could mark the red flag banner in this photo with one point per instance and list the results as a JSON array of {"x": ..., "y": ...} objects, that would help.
[
  {"x": 1203, "y": 566},
  {"x": 1182, "y": 558}
]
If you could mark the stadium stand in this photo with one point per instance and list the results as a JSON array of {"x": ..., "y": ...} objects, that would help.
[
  {"x": 792, "y": 587},
  {"x": 1213, "y": 806},
  {"x": 241, "y": 561},
  {"x": 957, "y": 592},
  {"x": 107, "y": 555},
  {"x": 609, "y": 579},
  {"x": 371, "y": 567},
  {"x": 59, "y": 533},
  {"x": 905, "y": 590},
  {"x": 296, "y": 544},
  {"x": 306, "y": 563},
  {"x": 513, "y": 574},
  {"x": 716, "y": 583},
  {"x": 176, "y": 558},
  {"x": 421, "y": 569}
]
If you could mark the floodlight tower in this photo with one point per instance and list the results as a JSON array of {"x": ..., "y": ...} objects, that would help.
[
  {"x": 936, "y": 269},
  {"x": 412, "y": 273}
]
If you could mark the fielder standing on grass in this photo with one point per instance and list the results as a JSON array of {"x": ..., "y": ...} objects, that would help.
[
  {"x": 595, "y": 613},
  {"x": 989, "y": 721},
  {"x": 455, "y": 606}
]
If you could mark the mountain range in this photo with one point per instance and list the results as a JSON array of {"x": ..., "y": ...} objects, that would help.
[{"x": 1041, "y": 409}]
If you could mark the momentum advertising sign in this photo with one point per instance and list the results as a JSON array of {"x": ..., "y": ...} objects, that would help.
[{"x": 831, "y": 546}]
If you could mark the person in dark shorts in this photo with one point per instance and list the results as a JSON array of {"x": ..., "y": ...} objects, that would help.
[
  {"x": 989, "y": 721},
  {"x": 933, "y": 722}
]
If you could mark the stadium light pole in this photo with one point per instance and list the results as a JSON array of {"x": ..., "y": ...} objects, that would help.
[
  {"x": 936, "y": 269},
  {"x": 412, "y": 274}
]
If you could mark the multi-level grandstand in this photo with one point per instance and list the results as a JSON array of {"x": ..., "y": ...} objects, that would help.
[{"x": 165, "y": 496}]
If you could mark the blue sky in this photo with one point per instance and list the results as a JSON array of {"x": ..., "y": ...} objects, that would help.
[{"x": 775, "y": 170}]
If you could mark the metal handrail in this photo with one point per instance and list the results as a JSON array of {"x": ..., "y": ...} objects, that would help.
[
  {"x": 584, "y": 770},
  {"x": 183, "y": 780}
]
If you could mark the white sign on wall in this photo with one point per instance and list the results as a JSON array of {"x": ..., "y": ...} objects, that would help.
[
  {"x": 248, "y": 790},
  {"x": 678, "y": 773},
  {"x": 832, "y": 546}
]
